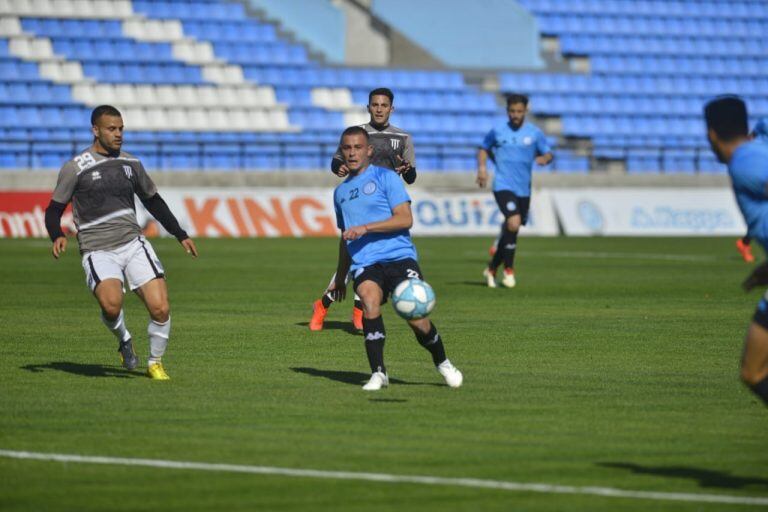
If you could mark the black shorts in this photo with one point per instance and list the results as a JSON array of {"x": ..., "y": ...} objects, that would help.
[
  {"x": 510, "y": 204},
  {"x": 389, "y": 275},
  {"x": 761, "y": 313}
]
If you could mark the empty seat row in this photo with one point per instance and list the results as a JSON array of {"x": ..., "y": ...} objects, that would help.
[
  {"x": 595, "y": 125},
  {"x": 34, "y": 93},
  {"x": 97, "y": 9},
  {"x": 313, "y": 76},
  {"x": 261, "y": 53},
  {"x": 190, "y": 10},
  {"x": 653, "y": 26},
  {"x": 234, "y": 31},
  {"x": 686, "y": 9},
  {"x": 176, "y": 95},
  {"x": 669, "y": 45},
  {"x": 632, "y": 85},
  {"x": 113, "y": 50},
  {"x": 452, "y": 101},
  {"x": 74, "y": 28},
  {"x": 682, "y": 106},
  {"x": 143, "y": 73},
  {"x": 202, "y": 119},
  {"x": 679, "y": 65}
]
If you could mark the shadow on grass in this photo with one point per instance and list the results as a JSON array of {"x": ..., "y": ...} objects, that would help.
[
  {"x": 86, "y": 370},
  {"x": 356, "y": 378},
  {"x": 706, "y": 477},
  {"x": 335, "y": 325},
  {"x": 470, "y": 283},
  {"x": 388, "y": 400}
]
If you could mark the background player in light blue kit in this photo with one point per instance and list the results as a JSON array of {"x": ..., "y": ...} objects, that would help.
[
  {"x": 373, "y": 211},
  {"x": 514, "y": 147},
  {"x": 747, "y": 161}
]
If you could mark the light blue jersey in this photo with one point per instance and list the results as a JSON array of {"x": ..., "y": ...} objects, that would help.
[
  {"x": 370, "y": 197},
  {"x": 749, "y": 174},
  {"x": 513, "y": 152}
]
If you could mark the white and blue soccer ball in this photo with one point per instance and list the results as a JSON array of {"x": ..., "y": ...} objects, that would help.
[{"x": 413, "y": 299}]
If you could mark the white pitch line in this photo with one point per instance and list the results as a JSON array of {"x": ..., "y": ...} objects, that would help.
[{"x": 388, "y": 478}]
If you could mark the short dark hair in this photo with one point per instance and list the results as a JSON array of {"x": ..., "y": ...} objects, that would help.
[
  {"x": 381, "y": 91},
  {"x": 517, "y": 98},
  {"x": 354, "y": 130},
  {"x": 726, "y": 115},
  {"x": 104, "y": 110}
]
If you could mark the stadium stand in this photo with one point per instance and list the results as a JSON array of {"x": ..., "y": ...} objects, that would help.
[
  {"x": 652, "y": 65},
  {"x": 204, "y": 85}
]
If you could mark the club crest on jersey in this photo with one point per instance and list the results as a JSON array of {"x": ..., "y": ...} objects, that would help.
[
  {"x": 369, "y": 188},
  {"x": 95, "y": 175},
  {"x": 395, "y": 143},
  {"x": 128, "y": 171},
  {"x": 527, "y": 141}
]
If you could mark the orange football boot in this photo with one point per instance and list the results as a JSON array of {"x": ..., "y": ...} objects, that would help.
[
  {"x": 745, "y": 250},
  {"x": 318, "y": 316}
]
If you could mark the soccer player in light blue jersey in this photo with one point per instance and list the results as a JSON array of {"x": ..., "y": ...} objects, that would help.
[
  {"x": 744, "y": 244},
  {"x": 747, "y": 161},
  {"x": 513, "y": 147},
  {"x": 373, "y": 211}
]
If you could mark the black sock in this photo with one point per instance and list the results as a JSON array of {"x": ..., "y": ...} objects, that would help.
[
  {"x": 327, "y": 301},
  {"x": 509, "y": 249},
  {"x": 434, "y": 343},
  {"x": 358, "y": 304},
  {"x": 746, "y": 240},
  {"x": 496, "y": 259},
  {"x": 761, "y": 390},
  {"x": 375, "y": 335}
]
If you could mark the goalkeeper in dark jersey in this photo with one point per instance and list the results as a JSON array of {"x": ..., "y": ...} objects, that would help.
[
  {"x": 392, "y": 149},
  {"x": 101, "y": 183}
]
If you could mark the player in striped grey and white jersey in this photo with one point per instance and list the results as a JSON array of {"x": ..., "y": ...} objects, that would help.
[{"x": 101, "y": 183}]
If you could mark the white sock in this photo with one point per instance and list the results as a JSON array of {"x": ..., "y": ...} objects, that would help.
[
  {"x": 158, "y": 339},
  {"x": 117, "y": 327}
]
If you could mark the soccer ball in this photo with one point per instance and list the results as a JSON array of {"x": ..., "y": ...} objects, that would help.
[{"x": 413, "y": 299}]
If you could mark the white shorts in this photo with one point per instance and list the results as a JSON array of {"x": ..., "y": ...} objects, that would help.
[{"x": 135, "y": 261}]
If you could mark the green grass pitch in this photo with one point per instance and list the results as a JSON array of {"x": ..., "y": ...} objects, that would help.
[{"x": 614, "y": 363}]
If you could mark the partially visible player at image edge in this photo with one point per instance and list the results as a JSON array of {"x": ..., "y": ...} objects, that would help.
[
  {"x": 101, "y": 183},
  {"x": 747, "y": 160},
  {"x": 392, "y": 149},
  {"x": 744, "y": 244}
]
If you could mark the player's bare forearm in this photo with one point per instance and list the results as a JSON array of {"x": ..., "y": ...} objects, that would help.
[
  {"x": 482, "y": 169},
  {"x": 189, "y": 246},
  {"x": 544, "y": 159},
  {"x": 59, "y": 246},
  {"x": 342, "y": 269}
]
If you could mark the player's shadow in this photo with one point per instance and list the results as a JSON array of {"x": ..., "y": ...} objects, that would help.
[
  {"x": 336, "y": 325},
  {"x": 85, "y": 370},
  {"x": 356, "y": 378},
  {"x": 706, "y": 478}
]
